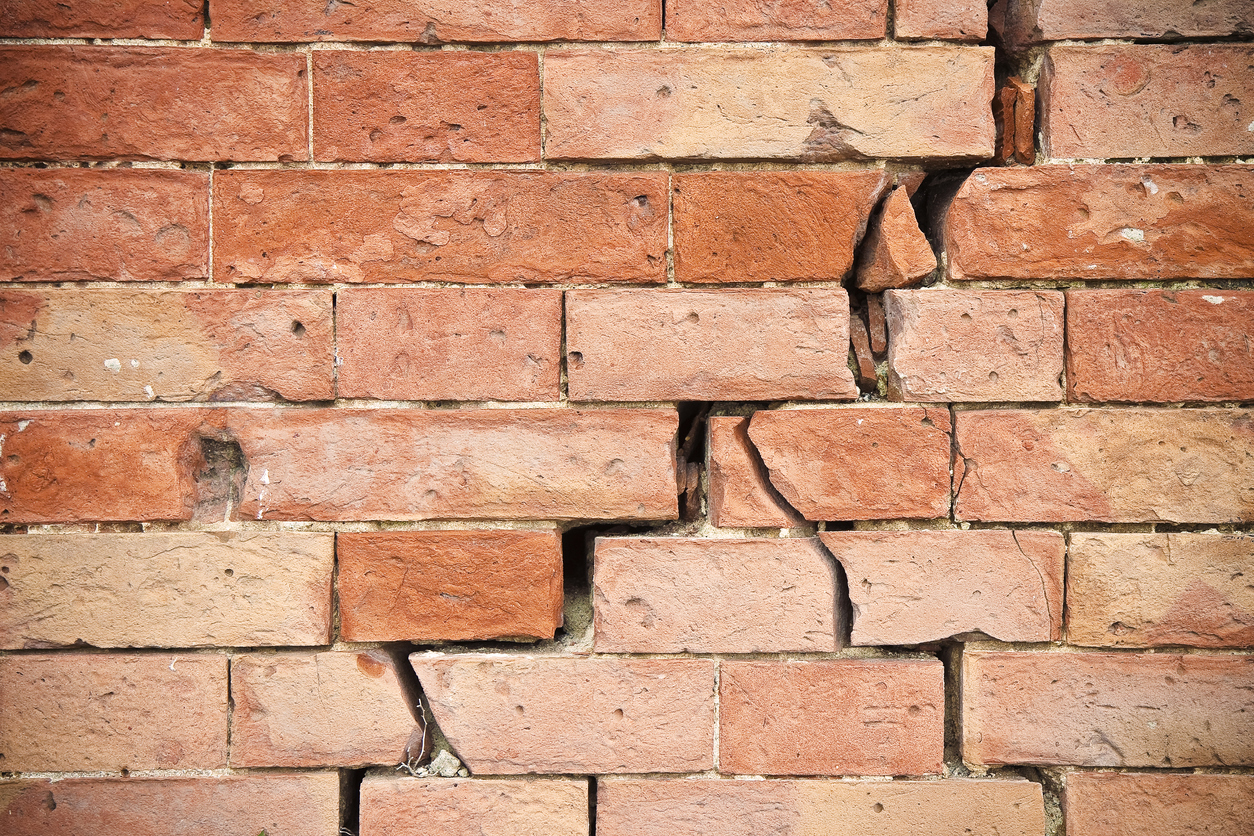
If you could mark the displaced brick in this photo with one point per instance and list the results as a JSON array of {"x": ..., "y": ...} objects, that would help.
[
  {"x": 847, "y": 717},
  {"x": 776, "y": 103},
  {"x": 162, "y": 103},
  {"x": 860, "y": 341},
  {"x": 708, "y": 345},
  {"x": 877, "y": 322},
  {"x": 1113, "y": 803},
  {"x": 395, "y": 806},
  {"x": 896, "y": 252},
  {"x": 178, "y": 19},
  {"x": 740, "y": 493},
  {"x": 1015, "y": 112},
  {"x": 449, "y": 344},
  {"x": 1024, "y": 22},
  {"x": 775, "y": 20},
  {"x": 439, "y": 226},
  {"x": 964, "y": 20}
]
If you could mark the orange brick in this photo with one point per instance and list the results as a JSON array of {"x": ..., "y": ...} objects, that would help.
[
  {"x": 178, "y": 19},
  {"x": 1112, "y": 804},
  {"x": 954, "y": 20},
  {"x": 740, "y": 493},
  {"x": 777, "y": 20},
  {"x": 396, "y": 806}
]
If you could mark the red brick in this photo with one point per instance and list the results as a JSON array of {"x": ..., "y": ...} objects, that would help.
[
  {"x": 179, "y": 19},
  {"x": 1015, "y": 112},
  {"x": 860, "y": 342},
  {"x": 896, "y": 253},
  {"x": 278, "y": 805},
  {"x": 103, "y": 102},
  {"x": 776, "y": 20},
  {"x": 963, "y": 20},
  {"x": 1107, "y": 709},
  {"x": 98, "y": 712},
  {"x": 1023, "y": 22},
  {"x": 471, "y": 107},
  {"x": 848, "y": 717},
  {"x": 455, "y": 226},
  {"x": 740, "y": 494},
  {"x": 1160, "y": 345},
  {"x": 449, "y": 344},
  {"x": 507, "y": 714},
  {"x": 775, "y": 103},
  {"x": 857, "y": 463},
  {"x": 225, "y": 589},
  {"x": 877, "y": 322},
  {"x": 141, "y": 345},
  {"x": 395, "y": 806},
  {"x": 975, "y": 345},
  {"x": 708, "y": 345},
  {"x": 1112, "y": 465},
  {"x": 1112, "y": 803},
  {"x": 771, "y": 225},
  {"x": 1147, "y": 590},
  {"x": 1147, "y": 100},
  {"x": 449, "y": 585}
]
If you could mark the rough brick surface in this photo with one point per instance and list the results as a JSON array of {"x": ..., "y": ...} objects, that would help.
[
  {"x": 1015, "y": 112},
  {"x": 516, "y": 714},
  {"x": 1022, "y": 22},
  {"x": 98, "y": 712},
  {"x": 178, "y": 19},
  {"x": 789, "y": 103},
  {"x": 740, "y": 493},
  {"x": 1111, "y": 804},
  {"x": 951, "y": 20},
  {"x": 708, "y": 345},
  {"x": 1107, "y": 709},
  {"x": 896, "y": 252},
  {"x": 456, "y": 226},
  {"x": 849, "y": 717},
  {"x": 393, "y": 806},
  {"x": 774, "y": 20},
  {"x": 1143, "y": 590}
]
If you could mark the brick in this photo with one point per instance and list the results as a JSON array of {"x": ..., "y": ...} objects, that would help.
[
  {"x": 740, "y": 493},
  {"x": 97, "y": 712},
  {"x": 1160, "y": 345},
  {"x": 911, "y": 587},
  {"x": 162, "y": 103},
  {"x": 449, "y": 585},
  {"x": 224, "y": 589},
  {"x": 432, "y": 22},
  {"x": 1109, "y": 465},
  {"x": 180, "y": 19},
  {"x": 1112, "y": 803},
  {"x": 770, "y": 225},
  {"x": 336, "y": 708},
  {"x": 1024, "y": 22},
  {"x": 142, "y": 345},
  {"x": 1148, "y": 590},
  {"x": 278, "y": 805},
  {"x": 696, "y": 807},
  {"x": 395, "y": 806},
  {"x": 69, "y": 224},
  {"x": 449, "y": 344},
  {"x": 1147, "y": 100},
  {"x": 896, "y": 252},
  {"x": 877, "y": 322},
  {"x": 860, "y": 342},
  {"x": 965, "y": 20},
  {"x": 790, "y": 103},
  {"x": 777, "y": 20},
  {"x": 471, "y": 107},
  {"x": 439, "y": 226},
  {"x": 1015, "y": 112},
  {"x": 975, "y": 345},
  {"x": 688, "y": 595},
  {"x": 847, "y": 717},
  {"x": 857, "y": 463},
  {"x": 708, "y": 345}
]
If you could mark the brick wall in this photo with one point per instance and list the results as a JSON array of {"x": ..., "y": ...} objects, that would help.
[{"x": 524, "y": 417}]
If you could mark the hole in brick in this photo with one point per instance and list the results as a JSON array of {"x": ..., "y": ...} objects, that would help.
[
  {"x": 4, "y": 584},
  {"x": 879, "y": 808},
  {"x": 397, "y": 120},
  {"x": 618, "y": 714},
  {"x": 230, "y": 573},
  {"x": 575, "y": 359},
  {"x": 25, "y": 357},
  {"x": 219, "y": 471},
  {"x": 298, "y": 328}
]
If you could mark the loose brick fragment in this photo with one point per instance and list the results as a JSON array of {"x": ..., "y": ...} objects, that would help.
[
  {"x": 1024, "y": 22},
  {"x": 775, "y": 20},
  {"x": 1015, "y": 112},
  {"x": 849, "y": 717},
  {"x": 777, "y": 103},
  {"x": 896, "y": 252},
  {"x": 1112, "y": 803},
  {"x": 740, "y": 493},
  {"x": 950, "y": 20},
  {"x": 860, "y": 341},
  {"x": 877, "y": 322},
  {"x": 178, "y": 19},
  {"x": 395, "y": 806}
]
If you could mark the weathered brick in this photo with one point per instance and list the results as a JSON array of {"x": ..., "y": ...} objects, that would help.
[
  {"x": 776, "y": 103},
  {"x": 1147, "y": 100},
  {"x": 740, "y": 494},
  {"x": 963, "y": 20},
  {"x": 896, "y": 252},
  {"x": 516, "y": 714},
  {"x": 141, "y": 345},
  {"x": 471, "y": 107},
  {"x": 1113, "y": 465},
  {"x": 164, "y": 103},
  {"x": 98, "y": 712},
  {"x": 1107, "y": 709},
  {"x": 771, "y": 225},
  {"x": 455, "y": 226},
  {"x": 178, "y": 19},
  {"x": 449, "y": 585},
  {"x": 224, "y": 589},
  {"x": 708, "y": 345},
  {"x": 1113, "y": 803},
  {"x": 449, "y": 344},
  {"x": 395, "y": 806},
  {"x": 1160, "y": 345},
  {"x": 975, "y": 345},
  {"x": 911, "y": 587},
  {"x": 1015, "y": 112},
  {"x": 774, "y": 20},
  {"x": 1023, "y": 22},
  {"x": 848, "y": 717},
  {"x": 1146, "y": 590}
]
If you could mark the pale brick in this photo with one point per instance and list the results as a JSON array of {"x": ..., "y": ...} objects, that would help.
[
  {"x": 395, "y": 806},
  {"x": 1114, "y": 804},
  {"x": 740, "y": 493},
  {"x": 775, "y": 20},
  {"x": 954, "y": 20}
]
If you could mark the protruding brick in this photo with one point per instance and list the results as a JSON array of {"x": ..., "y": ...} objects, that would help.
[
  {"x": 1160, "y": 345},
  {"x": 896, "y": 252},
  {"x": 163, "y": 103},
  {"x": 975, "y": 345},
  {"x": 1107, "y": 709},
  {"x": 98, "y": 712},
  {"x": 1024, "y": 22},
  {"x": 453, "y": 344},
  {"x": 1015, "y": 112},
  {"x": 396, "y": 806},
  {"x": 178, "y": 19},
  {"x": 949, "y": 20},
  {"x": 740, "y": 492},
  {"x": 439, "y": 226},
  {"x": 517, "y": 714},
  {"x": 449, "y": 585},
  {"x": 708, "y": 345},
  {"x": 1146, "y": 590},
  {"x": 1114, "y": 803},
  {"x": 471, "y": 107},
  {"x": 848, "y": 717},
  {"x": 777, "y": 20},
  {"x": 1112, "y": 465},
  {"x": 777, "y": 103}
]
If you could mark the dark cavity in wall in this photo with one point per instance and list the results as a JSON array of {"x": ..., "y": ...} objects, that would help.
[
  {"x": 350, "y": 801},
  {"x": 219, "y": 471},
  {"x": 690, "y": 457}
]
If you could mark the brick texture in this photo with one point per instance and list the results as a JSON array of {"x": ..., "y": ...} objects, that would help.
[
  {"x": 740, "y": 493},
  {"x": 777, "y": 20},
  {"x": 392, "y": 806},
  {"x": 179, "y": 19},
  {"x": 1107, "y": 804},
  {"x": 896, "y": 252},
  {"x": 1022, "y": 22},
  {"x": 956, "y": 20}
]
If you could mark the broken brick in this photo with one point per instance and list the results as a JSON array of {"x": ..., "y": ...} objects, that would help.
[
  {"x": 740, "y": 492},
  {"x": 896, "y": 253}
]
